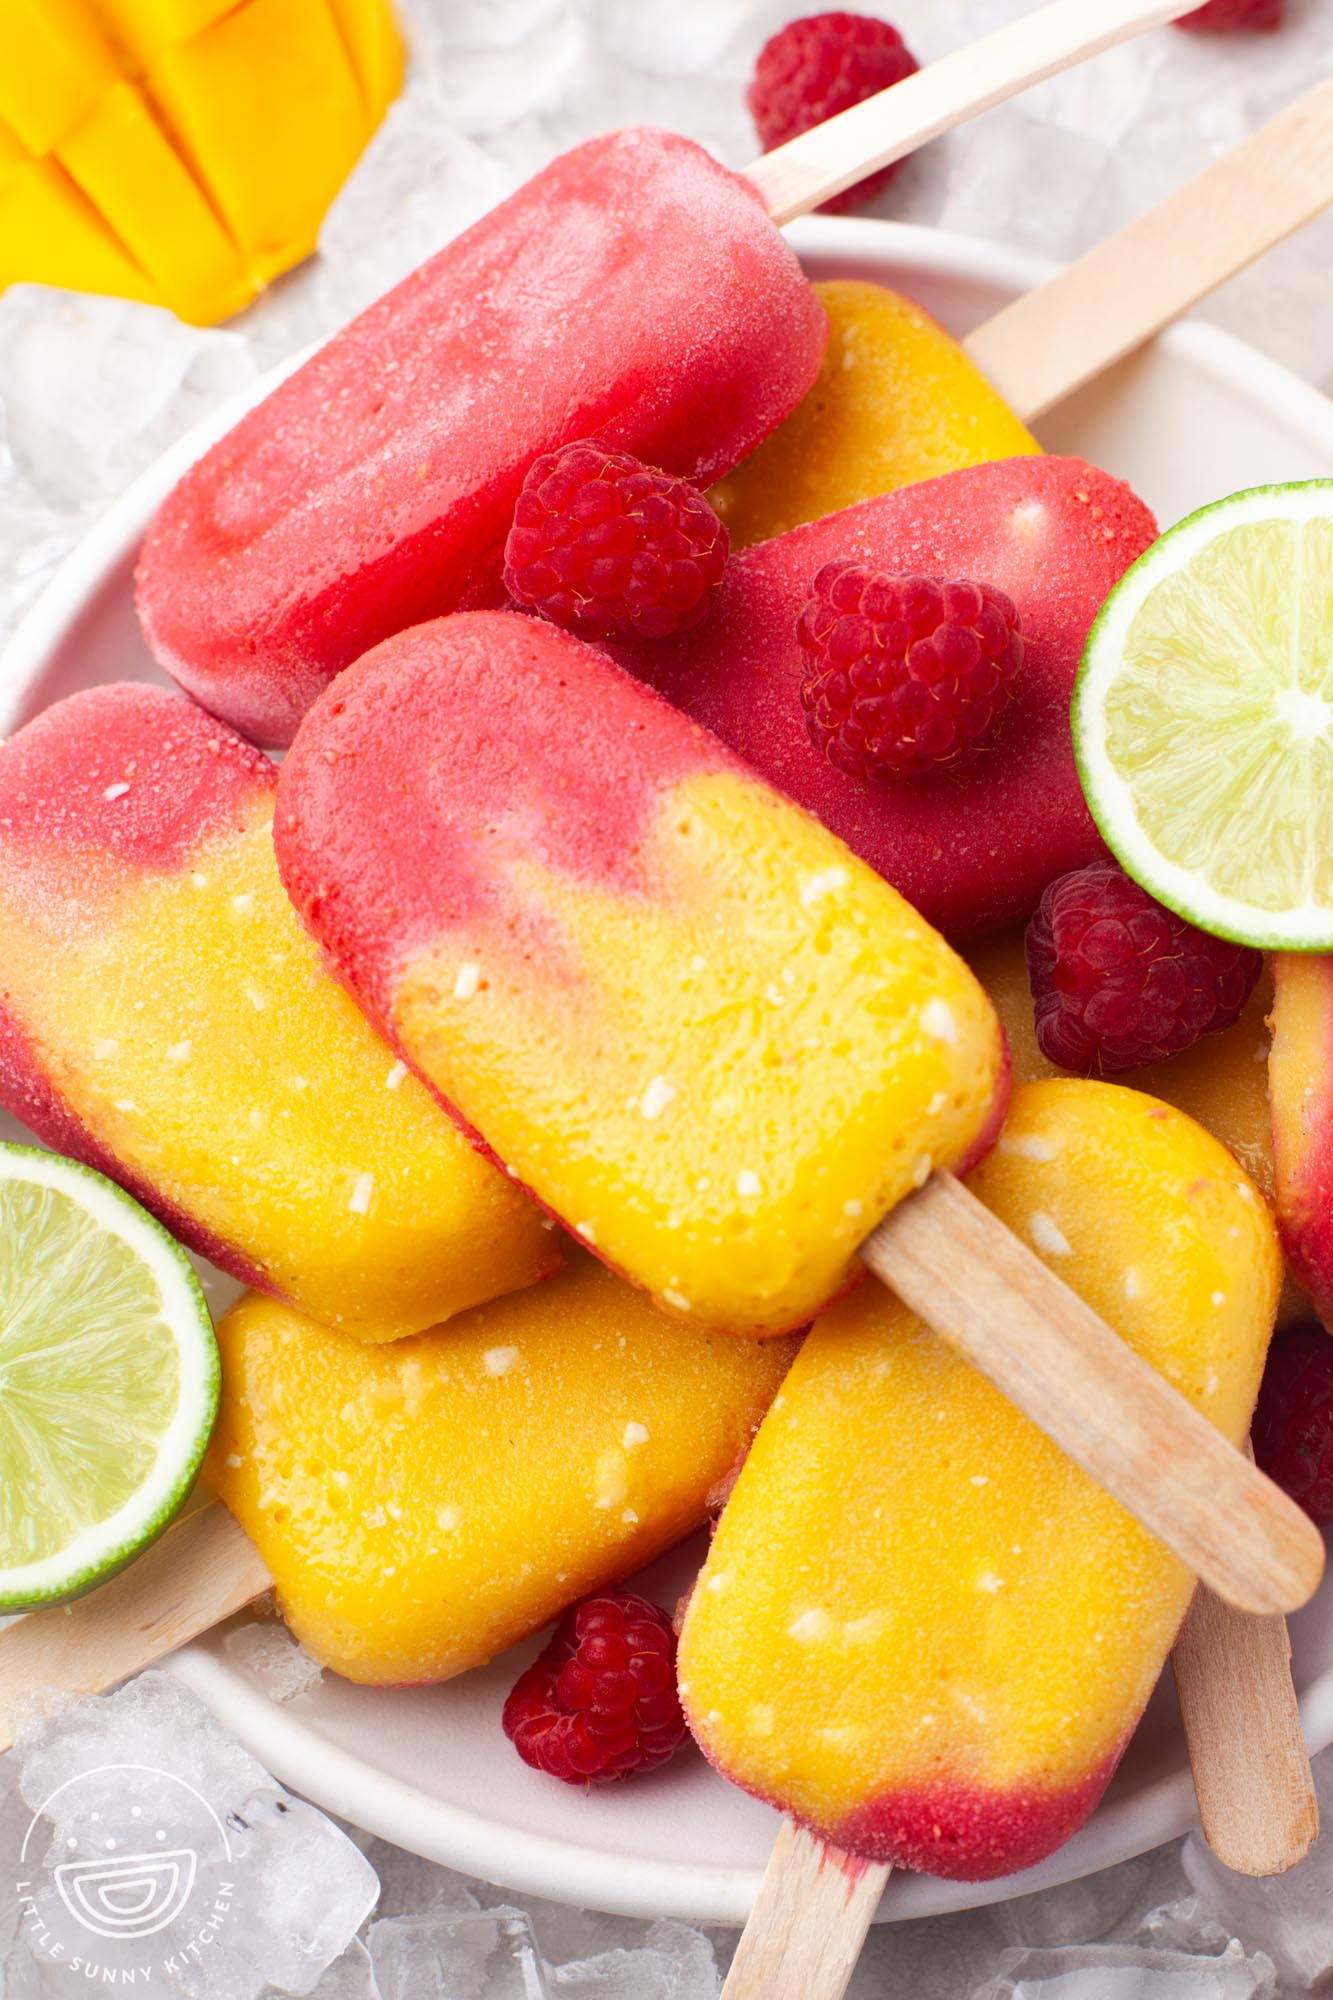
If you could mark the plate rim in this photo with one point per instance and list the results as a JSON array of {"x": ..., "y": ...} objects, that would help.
[{"x": 300, "y": 1754}]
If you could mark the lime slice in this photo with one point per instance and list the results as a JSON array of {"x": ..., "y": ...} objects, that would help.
[
  {"x": 108, "y": 1378},
  {"x": 1203, "y": 718}
]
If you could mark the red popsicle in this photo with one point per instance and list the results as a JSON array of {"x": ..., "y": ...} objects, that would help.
[
  {"x": 634, "y": 289},
  {"x": 970, "y": 849}
]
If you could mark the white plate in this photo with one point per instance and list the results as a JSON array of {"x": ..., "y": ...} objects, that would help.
[{"x": 1199, "y": 416}]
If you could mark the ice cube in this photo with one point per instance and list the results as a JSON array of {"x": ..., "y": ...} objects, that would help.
[
  {"x": 351, "y": 1977},
  {"x": 1129, "y": 1972},
  {"x": 94, "y": 388},
  {"x": 673, "y": 1963},
  {"x": 464, "y": 1955},
  {"x": 1078, "y": 1912},
  {"x": 1289, "y": 1916},
  {"x": 267, "y": 1650},
  {"x": 157, "y": 1846}
]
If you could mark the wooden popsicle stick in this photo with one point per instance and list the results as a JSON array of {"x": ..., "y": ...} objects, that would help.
[
  {"x": 808, "y": 1923},
  {"x": 797, "y": 177},
  {"x": 202, "y": 1570},
  {"x": 962, "y": 1272},
  {"x": 1252, "y": 1774},
  {"x": 1242, "y": 1721},
  {"x": 1055, "y": 339}
]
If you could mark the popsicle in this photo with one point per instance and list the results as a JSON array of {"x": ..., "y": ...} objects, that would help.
[
  {"x": 634, "y": 289},
  {"x": 792, "y": 1050},
  {"x": 970, "y": 849},
  {"x": 423, "y": 1505},
  {"x": 896, "y": 401},
  {"x": 707, "y": 1037},
  {"x": 920, "y": 1629},
  {"x": 164, "y": 1017}
]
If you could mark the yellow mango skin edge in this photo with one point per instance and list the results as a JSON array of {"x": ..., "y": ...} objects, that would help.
[{"x": 181, "y": 152}]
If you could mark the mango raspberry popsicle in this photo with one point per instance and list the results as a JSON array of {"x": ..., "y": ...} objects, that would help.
[
  {"x": 921, "y": 1629},
  {"x": 897, "y": 401},
  {"x": 634, "y": 289},
  {"x": 682, "y": 1014},
  {"x": 972, "y": 848},
  {"x": 164, "y": 1017},
  {"x": 421, "y": 1506}
]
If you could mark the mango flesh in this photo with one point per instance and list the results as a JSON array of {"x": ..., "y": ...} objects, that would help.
[
  {"x": 1300, "y": 1078},
  {"x": 182, "y": 151},
  {"x": 423, "y": 1505},
  {"x": 896, "y": 401},
  {"x": 921, "y": 1628}
]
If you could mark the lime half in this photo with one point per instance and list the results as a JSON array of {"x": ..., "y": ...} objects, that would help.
[
  {"x": 1203, "y": 718},
  {"x": 108, "y": 1378}
]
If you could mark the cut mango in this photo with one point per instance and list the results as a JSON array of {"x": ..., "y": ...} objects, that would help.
[{"x": 181, "y": 151}]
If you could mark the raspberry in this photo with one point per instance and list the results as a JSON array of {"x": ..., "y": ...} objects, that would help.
[
  {"x": 1293, "y": 1423},
  {"x": 610, "y": 548},
  {"x": 820, "y": 65},
  {"x": 1235, "y": 17},
  {"x": 905, "y": 674},
  {"x": 600, "y": 1702},
  {"x": 1119, "y": 982}
]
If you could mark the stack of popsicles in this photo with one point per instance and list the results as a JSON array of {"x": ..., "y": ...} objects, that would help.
[{"x": 674, "y": 973}]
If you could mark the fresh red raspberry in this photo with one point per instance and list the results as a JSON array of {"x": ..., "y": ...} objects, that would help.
[
  {"x": 820, "y": 65},
  {"x": 1118, "y": 981},
  {"x": 905, "y": 674},
  {"x": 600, "y": 1702},
  {"x": 1235, "y": 17},
  {"x": 1292, "y": 1432},
  {"x": 610, "y": 548}
]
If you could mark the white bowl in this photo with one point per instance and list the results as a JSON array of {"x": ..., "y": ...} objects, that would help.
[{"x": 1196, "y": 417}]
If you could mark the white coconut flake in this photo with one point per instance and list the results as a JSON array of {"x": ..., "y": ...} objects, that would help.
[
  {"x": 826, "y": 883},
  {"x": 853, "y": 1210},
  {"x": 937, "y": 1021},
  {"x": 1219, "y": 1298},
  {"x": 656, "y": 1098},
  {"x": 467, "y": 982},
  {"x": 634, "y": 1434},
  {"x": 180, "y": 1052},
  {"x": 677, "y": 1299},
  {"x": 106, "y": 1048},
  {"x": 362, "y": 1190},
  {"x": 1133, "y": 1284},
  {"x": 809, "y": 1625},
  {"x": 989, "y": 1582},
  {"x": 1027, "y": 1146},
  {"x": 499, "y": 1360},
  {"x": 748, "y": 1183},
  {"x": 114, "y": 792},
  {"x": 446, "y": 1519},
  {"x": 395, "y": 1076},
  {"x": 1048, "y": 1235},
  {"x": 586, "y": 1230}
]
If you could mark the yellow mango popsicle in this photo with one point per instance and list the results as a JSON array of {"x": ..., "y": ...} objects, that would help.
[
  {"x": 896, "y": 401},
  {"x": 421, "y": 1506},
  {"x": 921, "y": 1629}
]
